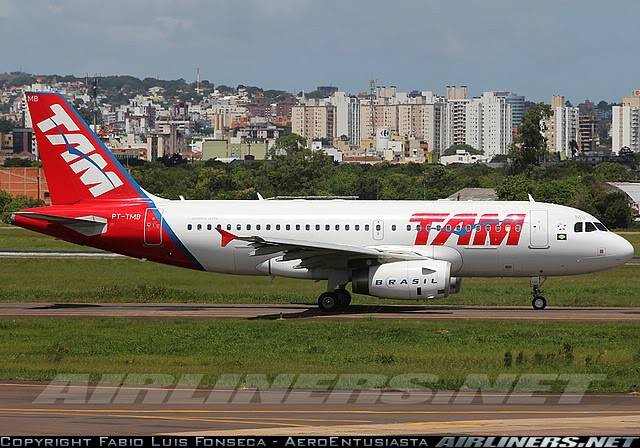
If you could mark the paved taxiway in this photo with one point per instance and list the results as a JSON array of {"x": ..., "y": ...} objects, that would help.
[
  {"x": 310, "y": 414},
  {"x": 297, "y": 311}
]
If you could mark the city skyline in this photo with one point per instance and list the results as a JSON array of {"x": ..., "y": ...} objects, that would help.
[{"x": 536, "y": 50}]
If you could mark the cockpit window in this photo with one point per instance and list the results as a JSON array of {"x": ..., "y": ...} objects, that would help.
[
  {"x": 600, "y": 226},
  {"x": 589, "y": 227},
  {"x": 577, "y": 227}
]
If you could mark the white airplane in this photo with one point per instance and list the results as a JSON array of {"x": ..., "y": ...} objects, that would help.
[{"x": 414, "y": 250}]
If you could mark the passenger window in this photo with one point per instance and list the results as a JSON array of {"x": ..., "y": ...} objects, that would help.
[
  {"x": 258, "y": 227},
  {"x": 366, "y": 227},
  {"x": 448, "y": 228},
  {"x": 429, "y": 227},
  {"x": 307, "y": 227},
  {"x": 297, "y": 226},
  {"x": 337, "y": 226},
  {"x": 346, "y": 227},
  {"x": 438, "y": 227},
  {"x": 219, "y": 226},
  {"x": 317, "y": 226},
  {"x": 327, "y": 227},
  {"x": 577, "y": 227},
  {"x": 248, "y": 226},
  {"x": 199, "y": 226},
  {"x": 518, "y": 227},
  {"x": 589, "y": 227},
  {"x": 409, "y": 227},
  {"x": 238, "y": 227},
  {"x": 468, "y": 228},
  {"x": 277, "y": 226},
  {"x": 378, "y": 227},
  {"x": 189, "y": 227},
  {"x": 208, "y": 226},
  {"x": 268, "y": 226},
  {"x": 498, "y": 228},
  {"x": 600, "y": 226},
  {"x": 393, "y": 227},
  {"x": 287, "y": 227},
  {"x": 357, "y": 226},
  {"x": 418, "y": 227},
  {"x": 228, "y": 226}
]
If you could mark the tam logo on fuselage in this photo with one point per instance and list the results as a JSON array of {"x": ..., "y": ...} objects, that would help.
[
  {"x": 80, "y": 154},
  {"x": 486, "y": 229}
]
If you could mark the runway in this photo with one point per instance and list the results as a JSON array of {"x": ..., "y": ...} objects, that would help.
[
  {"x": 299, "y": 311},
  {"x": 24, "y": 409}
]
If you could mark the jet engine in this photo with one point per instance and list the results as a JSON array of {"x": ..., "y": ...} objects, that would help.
[{"x": 416, "y": 279}]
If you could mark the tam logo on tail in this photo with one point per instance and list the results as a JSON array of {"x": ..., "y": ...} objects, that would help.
[
  {"x": 80, "y": 153},
  {"x": 77, "y": 165}
]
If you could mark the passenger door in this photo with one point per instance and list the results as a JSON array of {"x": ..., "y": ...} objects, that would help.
[
  {"x": 153, "y": 227},
  {"x": 539, "y": 229}
]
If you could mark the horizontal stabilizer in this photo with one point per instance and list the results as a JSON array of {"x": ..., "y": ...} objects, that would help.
[{"x": 86, "y": 225}]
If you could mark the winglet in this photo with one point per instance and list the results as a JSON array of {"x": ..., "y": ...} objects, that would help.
[{"x": 227, "y": 237}]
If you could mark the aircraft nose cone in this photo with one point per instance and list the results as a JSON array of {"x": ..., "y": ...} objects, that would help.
[{"x": 623, "y": 249}]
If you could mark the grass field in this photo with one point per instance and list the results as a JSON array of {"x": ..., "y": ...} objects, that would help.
[
  {"x": 38, "y": 349},
  {"x": 15, "y": 238},
  {"x": 128, "y": 280}
]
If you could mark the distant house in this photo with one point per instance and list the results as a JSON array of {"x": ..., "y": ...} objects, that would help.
[{"x": 473, "y": 194}]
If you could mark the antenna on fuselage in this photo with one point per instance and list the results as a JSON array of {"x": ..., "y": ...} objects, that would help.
[
  {"x": 260, "y": 198},
  {"x": 531, "y": 198}
]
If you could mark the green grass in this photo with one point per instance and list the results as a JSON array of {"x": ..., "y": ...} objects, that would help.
[
  {"x": 38, "y": 349},
  {"x": 15, "y": 238},
  {"x": 127, "y": 280}
]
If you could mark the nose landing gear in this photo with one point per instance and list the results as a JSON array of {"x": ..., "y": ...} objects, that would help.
[{"x": 539, "y": 302}]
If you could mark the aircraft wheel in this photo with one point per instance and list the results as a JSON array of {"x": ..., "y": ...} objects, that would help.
[
  {"x": 539, "y": 303},
  {"x": 329, "y": 302},
  {"x": 344, "y": 298}
]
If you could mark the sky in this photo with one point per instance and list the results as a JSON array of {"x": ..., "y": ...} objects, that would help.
[{"x": 578, "y": 48}]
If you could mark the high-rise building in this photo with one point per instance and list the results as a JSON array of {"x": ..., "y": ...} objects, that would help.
[
  {"x": 625, "y": 124},
  {"x": 314, "y": 120},
  {"x": 561, "y": 129},
  {"x": 588, "y": 139},
  {"x": 488, "y": 124}
]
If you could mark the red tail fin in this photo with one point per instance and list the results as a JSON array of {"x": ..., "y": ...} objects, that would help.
[{"x": 77, "y": 165}]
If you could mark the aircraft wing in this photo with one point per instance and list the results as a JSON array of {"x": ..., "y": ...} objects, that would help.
[{"x": 316, "y": 254}]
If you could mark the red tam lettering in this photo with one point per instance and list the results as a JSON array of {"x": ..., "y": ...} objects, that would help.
[
  {"x": 425, "y": 220},
  {"x": 458, "y": 225},
  {"x": 497, "y": 230}
]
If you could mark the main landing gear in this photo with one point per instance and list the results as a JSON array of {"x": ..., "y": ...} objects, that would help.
[
  {"x": 333, "y": 301},
  {"x": 539, "y": 302}
]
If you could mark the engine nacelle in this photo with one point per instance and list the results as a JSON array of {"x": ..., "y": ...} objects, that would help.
[{"x": 429, "y": 279}]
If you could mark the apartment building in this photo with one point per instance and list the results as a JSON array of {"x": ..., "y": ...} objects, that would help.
[{"x": 625, "y": 124}]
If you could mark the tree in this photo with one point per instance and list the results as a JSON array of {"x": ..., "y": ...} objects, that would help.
[
  {"x": 531, "y": 145},
  {"x": 514, "y": 188},
  {"x": 287, "y": 144}
]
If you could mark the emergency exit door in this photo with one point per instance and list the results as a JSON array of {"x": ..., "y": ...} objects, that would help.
[
  {"x": 153, "y": 227},
  {"x": 539, "y": 228}
]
